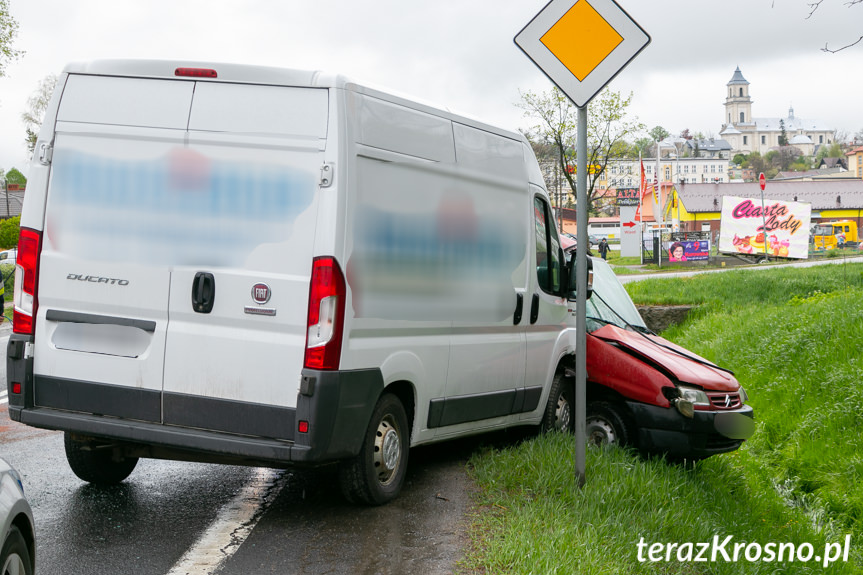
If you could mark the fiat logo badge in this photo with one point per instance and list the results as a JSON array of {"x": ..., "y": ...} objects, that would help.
[{"x": 261, "y": 293}]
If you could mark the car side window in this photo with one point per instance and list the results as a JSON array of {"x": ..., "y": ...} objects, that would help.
[{"x": 548, "y": 268}]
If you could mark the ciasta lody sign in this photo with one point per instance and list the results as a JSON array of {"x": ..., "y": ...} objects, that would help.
[{"x": 743, "y": 227}]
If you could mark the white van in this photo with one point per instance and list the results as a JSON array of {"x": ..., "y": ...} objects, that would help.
[{"x": 273, "y": 267}]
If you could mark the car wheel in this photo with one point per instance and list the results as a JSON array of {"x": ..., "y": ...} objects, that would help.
[
  {"x": 95, "y": 465},
  {"x": 560, "y": 409},
  {"x": 608, "y": 424},
  {"x": 376, "y": 475},
  {"x": 15, "y": 557}
]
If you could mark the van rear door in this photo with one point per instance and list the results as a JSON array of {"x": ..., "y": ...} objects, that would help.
[
  {"x": 240, "y": 283},
  {"x": 103, "y": 285},
  {"x": 177, "y": 251}
]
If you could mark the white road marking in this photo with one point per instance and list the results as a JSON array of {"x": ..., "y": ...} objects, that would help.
[{"x": 232, "y": 525}]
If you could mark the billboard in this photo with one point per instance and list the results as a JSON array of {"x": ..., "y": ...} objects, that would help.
[
  {"x": 743, "y": 222},
  {"x": 627, "y": 197},
  {"x": 689, "y": 251}
]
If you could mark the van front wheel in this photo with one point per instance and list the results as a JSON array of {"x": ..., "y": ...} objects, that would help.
[
  {"x": 97, "y": 465},
  {"x": 376, "y": 475},
  {"x": 560, "y": 409}
]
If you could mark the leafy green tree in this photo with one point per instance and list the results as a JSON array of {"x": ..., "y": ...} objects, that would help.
[
  {"x": 658, "y": 133},
  {"x": 13, "y": 176},
  {"x": 739, "y": 159},
  {"x": 9, "y": 232},
  {"x": 756, "y": 163},
  {"x": 556, "y": 124},
  {"x": 834, "y": 150},
  {"x": 8, "y": 32},
  {"x": 643, "y": 146}
]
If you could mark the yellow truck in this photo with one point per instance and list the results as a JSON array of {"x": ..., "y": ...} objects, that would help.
[{"x": 832, "y": 235}]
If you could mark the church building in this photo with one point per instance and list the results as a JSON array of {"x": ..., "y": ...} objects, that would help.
[{"x": 746, "y": 133}]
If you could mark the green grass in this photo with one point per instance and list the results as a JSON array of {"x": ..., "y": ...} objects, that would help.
[{"x": 793, "y": 337}]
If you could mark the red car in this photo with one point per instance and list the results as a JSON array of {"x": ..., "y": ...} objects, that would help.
[{"x": 646, "y": 392}]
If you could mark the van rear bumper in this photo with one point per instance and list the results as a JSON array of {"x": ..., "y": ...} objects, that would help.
[{"x": 335, "y": 405}]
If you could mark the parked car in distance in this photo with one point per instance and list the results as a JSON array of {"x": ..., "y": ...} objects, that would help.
[
  {"x": 18, "y": 554},
  {"x": 648, "y": 393},
  {"x": 8, "y": 256}
]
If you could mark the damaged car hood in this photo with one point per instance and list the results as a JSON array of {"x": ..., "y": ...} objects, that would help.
[{"x": 680, "y": 363}]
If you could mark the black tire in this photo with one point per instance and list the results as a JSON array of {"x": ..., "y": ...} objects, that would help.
[
  {"x": 95, "y": 465},
  {"x": 375, "y": 476},
  {"x": 609, "y": 424},
  {"x": 560, "y": 408},
  {"x": 15, "y": 556}
]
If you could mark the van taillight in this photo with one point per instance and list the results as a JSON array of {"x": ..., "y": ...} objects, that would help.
[
  {"x": 26, "y": 281},
  {"x": 326, "y": 315}
]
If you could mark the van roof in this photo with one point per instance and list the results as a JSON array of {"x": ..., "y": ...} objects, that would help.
[{"x": 251, "y": 74}]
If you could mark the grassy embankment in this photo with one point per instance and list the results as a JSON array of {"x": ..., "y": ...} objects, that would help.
[{"x": 794, "y": 338}]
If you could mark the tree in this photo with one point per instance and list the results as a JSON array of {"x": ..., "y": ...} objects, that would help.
[
  {"x": 13, "y": 176},
  {"x": 739, "y": 159},
  {"x": 608, "y": 127},
  {"x": 813, "y": 7},
  {"x": 685, "y": 134},
  {"x": 658, "y": 133},
  {"x": 37, "y": 103},
  {"x": 783, "y": 135},
  {"x": 8, "y": 32},
  {"x": 781, "y": 158},
  {"x": 642, "y": 146},
  {"x": 9, "y": 232},
  {"x": 833, "y": 150}
]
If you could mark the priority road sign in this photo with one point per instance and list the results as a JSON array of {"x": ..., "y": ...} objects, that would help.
[{"x": 582, "y": 45}]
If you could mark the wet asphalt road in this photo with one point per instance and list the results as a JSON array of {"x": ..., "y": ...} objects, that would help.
[{"x": 299, "y": 522}]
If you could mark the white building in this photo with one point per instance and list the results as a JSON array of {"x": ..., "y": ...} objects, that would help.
[{"x": 746, "y": 133}]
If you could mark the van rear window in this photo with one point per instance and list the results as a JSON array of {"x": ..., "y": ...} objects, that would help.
[
  {"x": 126, "y": 101},
  {"x": 255, "y": 109}
]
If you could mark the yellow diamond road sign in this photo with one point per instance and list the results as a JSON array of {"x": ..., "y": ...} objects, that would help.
[{"x": 582, "y": 45}]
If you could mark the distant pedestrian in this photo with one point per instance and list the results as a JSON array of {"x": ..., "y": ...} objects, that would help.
[{"x": 603, "y": 248}]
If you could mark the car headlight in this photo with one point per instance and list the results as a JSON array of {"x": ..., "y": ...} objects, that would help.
[
  {"x": 693, "y": 395},
  {"x": 744, "y": 397},
  {"x": 689, "y": 397}
]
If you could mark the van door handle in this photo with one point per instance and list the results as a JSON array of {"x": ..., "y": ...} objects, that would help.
[
  {"x": 534, "y": 308},
  {"x": 519, "y": 304},
  {"x": 203, "y": 292}
]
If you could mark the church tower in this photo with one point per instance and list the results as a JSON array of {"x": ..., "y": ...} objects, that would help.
[{"x": 738, "y": 105}]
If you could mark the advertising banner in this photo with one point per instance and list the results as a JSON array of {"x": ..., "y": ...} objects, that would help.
[
  {"x": 689, "y": 251},
  {"x": 743, "y": 221},
  {"x": 627, "y": 196}
]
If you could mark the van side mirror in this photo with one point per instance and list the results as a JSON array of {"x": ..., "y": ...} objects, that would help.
[{"x": 571, "y": 291}]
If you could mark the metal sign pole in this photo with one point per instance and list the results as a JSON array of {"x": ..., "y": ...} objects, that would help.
[{"x": 581, "y": 300}]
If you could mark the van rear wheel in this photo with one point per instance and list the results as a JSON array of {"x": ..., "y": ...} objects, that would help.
[
  {"x": 95, "y": 464},
  {"x": 375, "y": 476}
]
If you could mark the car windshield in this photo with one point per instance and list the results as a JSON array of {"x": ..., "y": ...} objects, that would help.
[
  {"x": 610, "y": 303},
  {"x": 822, "y": 231}
]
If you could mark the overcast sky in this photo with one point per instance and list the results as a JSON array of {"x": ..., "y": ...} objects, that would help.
[{"x": 460, "y": 53}]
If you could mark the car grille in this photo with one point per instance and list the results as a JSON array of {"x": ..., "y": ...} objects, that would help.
[{"x": 722, "y": 400}]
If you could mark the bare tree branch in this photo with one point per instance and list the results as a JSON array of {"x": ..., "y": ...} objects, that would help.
[
  {"x": 813, "y": 6},
  {"x": 826, "y": 49}
]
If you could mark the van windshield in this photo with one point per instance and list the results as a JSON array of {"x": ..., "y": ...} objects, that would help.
[
  {"x": 610, "y": 303},
  {"x": 822, "y": 231}
]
